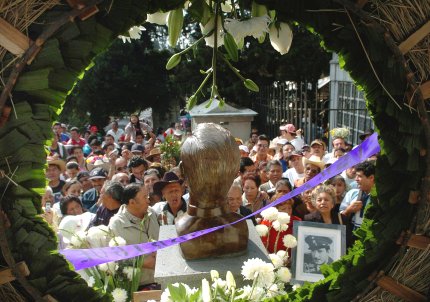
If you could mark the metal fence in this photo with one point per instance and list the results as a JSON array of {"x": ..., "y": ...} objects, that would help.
[
  {"x": 290, "y": 102},
  {"x": 307, "y": 108}
]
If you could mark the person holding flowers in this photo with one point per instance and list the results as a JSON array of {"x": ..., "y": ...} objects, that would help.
[
  {"x": 136, "y": 222},
  {"x": 279, "y": 222}
]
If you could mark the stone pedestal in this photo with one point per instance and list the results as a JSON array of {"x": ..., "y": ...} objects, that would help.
[{"x": 171, "y": 267}]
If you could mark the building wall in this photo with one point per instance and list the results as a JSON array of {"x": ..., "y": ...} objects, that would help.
[
  {"x": 347, "y": 103},
  {"x": 239, "y": 127}
]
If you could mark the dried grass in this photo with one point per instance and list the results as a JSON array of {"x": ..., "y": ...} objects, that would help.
[
  {"x": 403, "y": 18},
  {"x": 22, "y": 13},
  {"x": 412, "y": 270},
  {"x": 8, "y": 293}
]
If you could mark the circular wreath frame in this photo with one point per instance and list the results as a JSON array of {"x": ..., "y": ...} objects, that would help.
[{"x": 62, "y": 50}]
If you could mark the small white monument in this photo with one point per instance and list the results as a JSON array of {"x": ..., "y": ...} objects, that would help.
[{"x": 237, "y": 121}]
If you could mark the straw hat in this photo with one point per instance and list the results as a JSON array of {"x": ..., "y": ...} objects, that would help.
[
  {"x": 57, "y": 162},
  {"x": 314, "y": 160},
  {"x": 155, "y": 151}
]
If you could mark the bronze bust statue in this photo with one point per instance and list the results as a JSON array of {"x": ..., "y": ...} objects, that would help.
[{"x": 210, "y": 161}]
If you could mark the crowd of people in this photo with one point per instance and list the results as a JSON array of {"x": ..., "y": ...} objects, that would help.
[{"x": 120, "y": 180}]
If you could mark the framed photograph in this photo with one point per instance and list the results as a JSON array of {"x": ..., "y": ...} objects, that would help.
[{"x": 317, "y": 244}]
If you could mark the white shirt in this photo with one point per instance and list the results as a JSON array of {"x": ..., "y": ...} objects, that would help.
[
  {"x": 292, "y": 175},
  {"x": 116, "y": 135}
]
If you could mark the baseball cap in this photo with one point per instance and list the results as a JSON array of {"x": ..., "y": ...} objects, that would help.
[
  {"x": 98, "y": 173},
  {"x": 244, "y": 148},
  {"x": 137, "y": 148}
]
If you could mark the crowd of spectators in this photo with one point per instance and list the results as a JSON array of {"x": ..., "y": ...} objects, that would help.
[{"x": 120, "y": 179}]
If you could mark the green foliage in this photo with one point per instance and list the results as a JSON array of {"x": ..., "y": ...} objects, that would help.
[{"x": 127, "y": 78}]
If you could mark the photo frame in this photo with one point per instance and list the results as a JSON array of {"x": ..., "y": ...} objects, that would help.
[{"x": 317, "y": 244}]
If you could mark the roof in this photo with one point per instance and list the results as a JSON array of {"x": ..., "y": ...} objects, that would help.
[{"x": 214, "y": 109}]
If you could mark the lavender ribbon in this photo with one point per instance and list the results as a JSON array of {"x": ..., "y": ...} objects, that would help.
[{"x": 84, "y": 258}]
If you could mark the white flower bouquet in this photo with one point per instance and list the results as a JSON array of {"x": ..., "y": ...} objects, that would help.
[
  {"x": 121, "y": 278},
  {"x": 272, "y": 230},
  {"x": 267, "y": 280}
]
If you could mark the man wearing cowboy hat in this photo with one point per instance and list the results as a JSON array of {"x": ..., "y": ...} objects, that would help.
[
  {"x": 313, "y": 166},
  {"x": 154, "y": 155},
  {"x": 55, "y": 168},
  {"x": 170, "y": 187}
]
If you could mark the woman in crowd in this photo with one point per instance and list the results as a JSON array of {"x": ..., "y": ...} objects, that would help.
[
  {"x": 136, "y": 126},
  {"x": 324, "y": 201},
  {"x": 252, "y": 198},
  {"x": 71, "y": 205},
  {"x": 73, "y": 188},
  {"x": 303, "y": 204},
  {"x": 339, "y": 183}
]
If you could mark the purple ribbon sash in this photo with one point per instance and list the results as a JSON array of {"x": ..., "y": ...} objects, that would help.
[{"x": 84, "y": 258}]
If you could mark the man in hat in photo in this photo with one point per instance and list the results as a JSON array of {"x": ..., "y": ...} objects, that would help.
[
  {"x": 55, "y": 168},
  {"x": 174, "y": 206},
  {"x": 320, "y": 249},
  {"x": 97, "y": 176}
]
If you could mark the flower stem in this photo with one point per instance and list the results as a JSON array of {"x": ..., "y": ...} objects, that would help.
[
  {"x": 214, "y": 51},
  {"x": 276, "y": 241},
  {"x": 236, "y": 72}
]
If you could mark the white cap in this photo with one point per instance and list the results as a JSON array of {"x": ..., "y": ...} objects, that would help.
[{"x": 244, "y": 148}]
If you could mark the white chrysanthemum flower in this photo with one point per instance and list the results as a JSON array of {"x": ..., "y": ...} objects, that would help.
[
  {"x": 209, "y": 27},
  {"x": 250, "y": 294},
  {"x": 257, "y": 268},
  {"x": 91, "y": 281},
  {"x": 272, "y": 291},
  {"x": 283, "y": 218},
  {"x": 279, "y": 227},
  {"x": 159, "y": 18},
  {"x": 254, "y": 27},
  {"x": 109, "y": 268},
  {"x": 276, "y": 260},
  {"x": 78, "y": 239},
  {"x": 117, "y": 241},
  {"x": 296, "y": 286},
  {"x": 284, "y": 274},
  {"x": 119, "y": 295},
  {"x": 289, "y": 241},
  {"x": 270, "y": 214},
  {"x": 97, "y": 236},
  {"x": 283, "y": 255},
  {"x": 281, "y": 38},
  {"x": 129, "y": 271},
  {"x": 262, "y": 230},
  {"x": 136, "y": 32}
]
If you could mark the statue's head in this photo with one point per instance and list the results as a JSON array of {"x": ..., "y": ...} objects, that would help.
[{"x": 210, "y": 161}]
